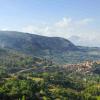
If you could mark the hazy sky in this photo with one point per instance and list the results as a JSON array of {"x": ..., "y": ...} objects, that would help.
[{"x": 77, "y": 20}]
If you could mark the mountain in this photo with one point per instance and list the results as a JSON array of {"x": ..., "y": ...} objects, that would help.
[
  {"x": 29, "y": 43},
  {"x": 57, "y": 49}
]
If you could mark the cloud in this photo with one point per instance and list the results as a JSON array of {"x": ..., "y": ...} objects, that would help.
[
  {"x": 91, "y": 40},
  {"x": 85, "y": 21},
  {"x": 59, "y": 28},
  {"x": 67, "y": 27},
  {"x": 40, "y": 30},
  {"x": 63, "y": 26},
  {"x": 64, "y": 23}
]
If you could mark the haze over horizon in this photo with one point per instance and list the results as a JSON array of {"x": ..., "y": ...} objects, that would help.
[{"x": 77, "y": 21}]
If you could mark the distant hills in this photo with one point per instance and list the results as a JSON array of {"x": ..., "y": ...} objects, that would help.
[
  {"x": 29, "y": 42},
  {"x": 58, "y": 49}
]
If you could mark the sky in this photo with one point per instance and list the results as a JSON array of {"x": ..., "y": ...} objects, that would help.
[{"x": 76, "y": 20}]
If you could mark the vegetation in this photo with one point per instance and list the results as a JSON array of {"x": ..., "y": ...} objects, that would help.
[
  {"x": 35, "y": 71},
  {"x": 46, "y": 81}
]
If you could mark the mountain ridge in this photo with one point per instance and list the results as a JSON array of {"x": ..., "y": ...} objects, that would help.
[
  {"x": 57, "y": 49},
  {"x": 17, "y": 40}
]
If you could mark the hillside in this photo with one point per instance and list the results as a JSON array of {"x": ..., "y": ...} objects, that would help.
[
  {"x": 57, "y": 49},
  {"x": 29, "y": 42},
  {"x": 22, "y": 76}
]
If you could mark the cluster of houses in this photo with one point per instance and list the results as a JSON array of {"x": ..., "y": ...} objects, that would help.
[{"x": 85, "y": 66}]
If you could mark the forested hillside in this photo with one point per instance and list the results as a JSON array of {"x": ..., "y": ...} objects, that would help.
[{"x": 25, "y": 77}]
